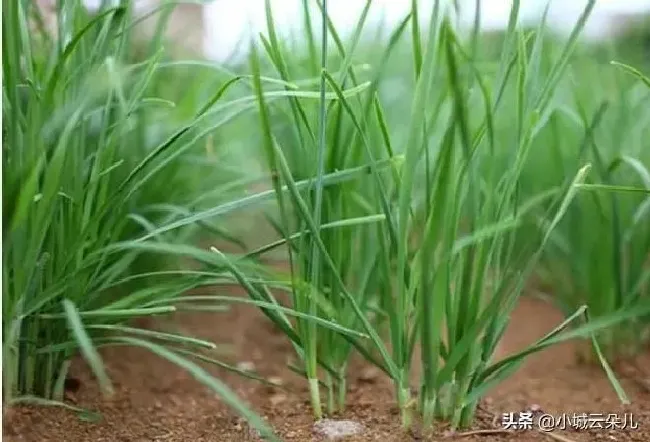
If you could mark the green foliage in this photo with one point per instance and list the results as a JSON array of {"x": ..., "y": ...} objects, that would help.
[
  {"x": 415, "y": 187},
  {"x": 464, "y": 217},
  {"x": 92, "y": 157}
]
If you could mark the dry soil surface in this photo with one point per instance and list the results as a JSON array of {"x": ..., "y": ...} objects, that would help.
[{"x": 156, "y": 401}]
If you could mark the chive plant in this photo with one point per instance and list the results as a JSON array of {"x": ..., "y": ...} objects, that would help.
[
  {"x": 341, "y": 281},
  {"x": 454, "y": 189},
  {"x": 463, "y": 284},
  {"x": 83, "y": 173}
]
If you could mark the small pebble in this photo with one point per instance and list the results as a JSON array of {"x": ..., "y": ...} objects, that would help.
[{"x": 337, "y": 429}]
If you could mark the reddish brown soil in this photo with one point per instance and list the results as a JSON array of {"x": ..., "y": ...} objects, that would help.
[{"x": 156, "y": 401}]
